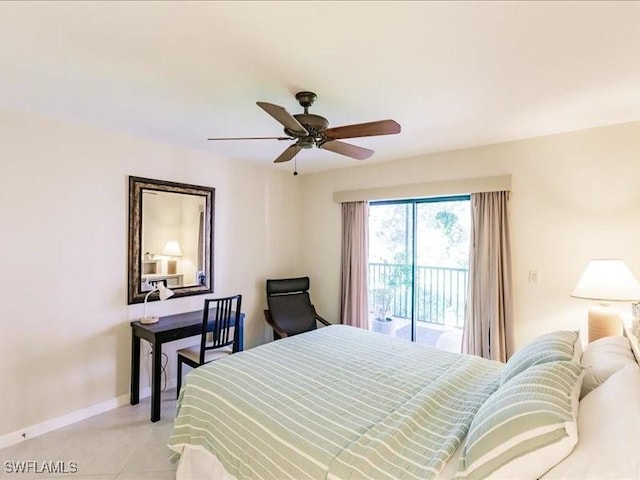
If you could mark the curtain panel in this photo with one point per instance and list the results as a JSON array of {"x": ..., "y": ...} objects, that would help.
[
  {"x": 354, "y": 308},
  {"x": 489, "y": 308}
]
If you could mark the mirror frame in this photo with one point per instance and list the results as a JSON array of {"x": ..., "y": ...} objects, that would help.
[{"x": 136, "y": 186}]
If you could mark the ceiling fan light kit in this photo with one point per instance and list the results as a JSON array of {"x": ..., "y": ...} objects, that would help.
[{"x": 309, "y": 130}]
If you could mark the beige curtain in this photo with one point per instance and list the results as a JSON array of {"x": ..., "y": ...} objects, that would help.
[
  {"x": 354, "y": 308},
  {"x": 489, "y": 310}
]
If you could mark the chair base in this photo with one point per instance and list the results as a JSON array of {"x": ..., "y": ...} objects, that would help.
[
  {"x": 186, "y": 355},
  {"x": 182, "y": 359}
]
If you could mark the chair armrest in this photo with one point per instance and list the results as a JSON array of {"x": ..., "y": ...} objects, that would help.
[
  {"x": 267, "y": 316},
  {"x": 319, "y": 318}
]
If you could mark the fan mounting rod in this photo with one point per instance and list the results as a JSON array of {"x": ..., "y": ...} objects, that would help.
[{"x": 306, "y": 99}]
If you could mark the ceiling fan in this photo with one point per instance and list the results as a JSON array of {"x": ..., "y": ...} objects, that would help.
[{"x": 308, "y": 130}]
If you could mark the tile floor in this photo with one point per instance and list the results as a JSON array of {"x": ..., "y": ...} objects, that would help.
[
  {"x": 120, "y": 444},
  {"x": 427, "y": 334}
]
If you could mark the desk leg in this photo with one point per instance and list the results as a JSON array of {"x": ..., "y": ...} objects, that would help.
[
  {"x": 135, "y": 370},
  {"x": 156, "y": 373}
]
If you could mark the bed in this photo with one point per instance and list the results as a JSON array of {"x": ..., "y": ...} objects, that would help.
[{"x": 344, "y": 403}]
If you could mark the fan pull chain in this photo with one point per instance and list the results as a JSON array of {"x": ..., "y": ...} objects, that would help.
[{"x": 295, "y": 164}]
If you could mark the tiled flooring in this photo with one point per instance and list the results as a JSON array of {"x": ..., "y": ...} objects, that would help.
[
  {"x": 120, "y": 444},
  {"x": 427, "y": 334}
]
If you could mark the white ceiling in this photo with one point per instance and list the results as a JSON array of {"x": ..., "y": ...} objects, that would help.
[{"x": 453, "y": 74}]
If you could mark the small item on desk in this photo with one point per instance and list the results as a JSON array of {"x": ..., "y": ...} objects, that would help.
[{"x": 163, "y": 293}]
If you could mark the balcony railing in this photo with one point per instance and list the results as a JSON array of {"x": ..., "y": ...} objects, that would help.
[{"x": 440, "y": 296}]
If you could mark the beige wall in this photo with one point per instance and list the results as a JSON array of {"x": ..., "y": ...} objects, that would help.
[
  {"x": 575, "y": 196},
  {"x": 64, "y": 322},
  {"x": 64, "y": 319}
]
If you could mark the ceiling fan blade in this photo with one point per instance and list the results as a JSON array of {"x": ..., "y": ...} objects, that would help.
[
  {"x": 284, "y": 117},
  {"x": 370, "y": 129},
  {"x": 353, "y": 151},
  {"x": 251, "y": 138},
  {"x": 288, "y": 154}
]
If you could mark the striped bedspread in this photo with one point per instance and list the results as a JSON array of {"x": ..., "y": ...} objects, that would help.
[{"x": 335, "y": 403}]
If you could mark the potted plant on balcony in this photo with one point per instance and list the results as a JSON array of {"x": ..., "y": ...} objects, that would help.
[
  {"x": 384, "y": 297},
  {"x": 382, "y": 320}
]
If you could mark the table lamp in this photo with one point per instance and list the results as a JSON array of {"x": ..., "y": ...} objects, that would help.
[
  {"x": 606, "y": 280},
  {"x": 172, "y": 249},
  {"x": 163, "y": 294}
]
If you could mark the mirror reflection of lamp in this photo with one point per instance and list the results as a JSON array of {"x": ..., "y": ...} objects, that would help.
[
  {"x": 172, "y": 250},
  {"x": 163, "y": 294}
]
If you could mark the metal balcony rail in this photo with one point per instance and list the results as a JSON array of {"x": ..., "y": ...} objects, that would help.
[{"x": 440, "y": 298}]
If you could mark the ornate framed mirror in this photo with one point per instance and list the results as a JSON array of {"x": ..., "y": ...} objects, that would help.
[{"x": 170, "y": 238}]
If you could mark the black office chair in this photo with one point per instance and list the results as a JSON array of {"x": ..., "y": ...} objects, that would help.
[
  {"x": 290, "y": 310},
  {"x": 219, "y": 335}
]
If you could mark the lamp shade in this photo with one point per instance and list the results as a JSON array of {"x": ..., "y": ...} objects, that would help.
[
  {"x": 172, "y": 249},
  {"x": 607, "y": 280},
  {"x": 164, "y": 292}
]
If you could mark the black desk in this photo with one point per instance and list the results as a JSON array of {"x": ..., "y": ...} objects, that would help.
[{"x": 168, "y": 329}]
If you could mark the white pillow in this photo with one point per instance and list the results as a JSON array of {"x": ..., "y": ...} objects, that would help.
[
  {"x": 603, "y": 358},
  {"x": 608, "y": 432}
]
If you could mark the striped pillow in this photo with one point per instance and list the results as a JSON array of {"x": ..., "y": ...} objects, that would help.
[
  {"x": 550, "y": 347},
  {"x": 526, "y": 427}
]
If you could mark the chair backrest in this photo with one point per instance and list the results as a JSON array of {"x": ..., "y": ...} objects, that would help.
[
  {"x": 219, "y": 320},
  {"x": 290, "y": 306}
]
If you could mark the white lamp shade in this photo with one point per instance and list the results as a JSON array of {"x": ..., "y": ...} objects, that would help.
[
  {"x": 607, "y": 280},
  {"x": 164, "y": 292},
  {"x": 172, "y": 249}
]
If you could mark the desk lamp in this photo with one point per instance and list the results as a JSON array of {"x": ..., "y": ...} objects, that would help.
[
  {"x": 163, "y": 293},
  {"x": 606, "y": 281}
]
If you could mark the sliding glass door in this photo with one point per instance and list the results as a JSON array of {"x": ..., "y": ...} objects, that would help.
[
  {"x": 418, "y": 267},
  {"x": 391, "y": 252}
]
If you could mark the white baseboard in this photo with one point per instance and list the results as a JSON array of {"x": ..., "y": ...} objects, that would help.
[
  {"x": 47, "y": 426},
  {"x": 31, "y": 431}
]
